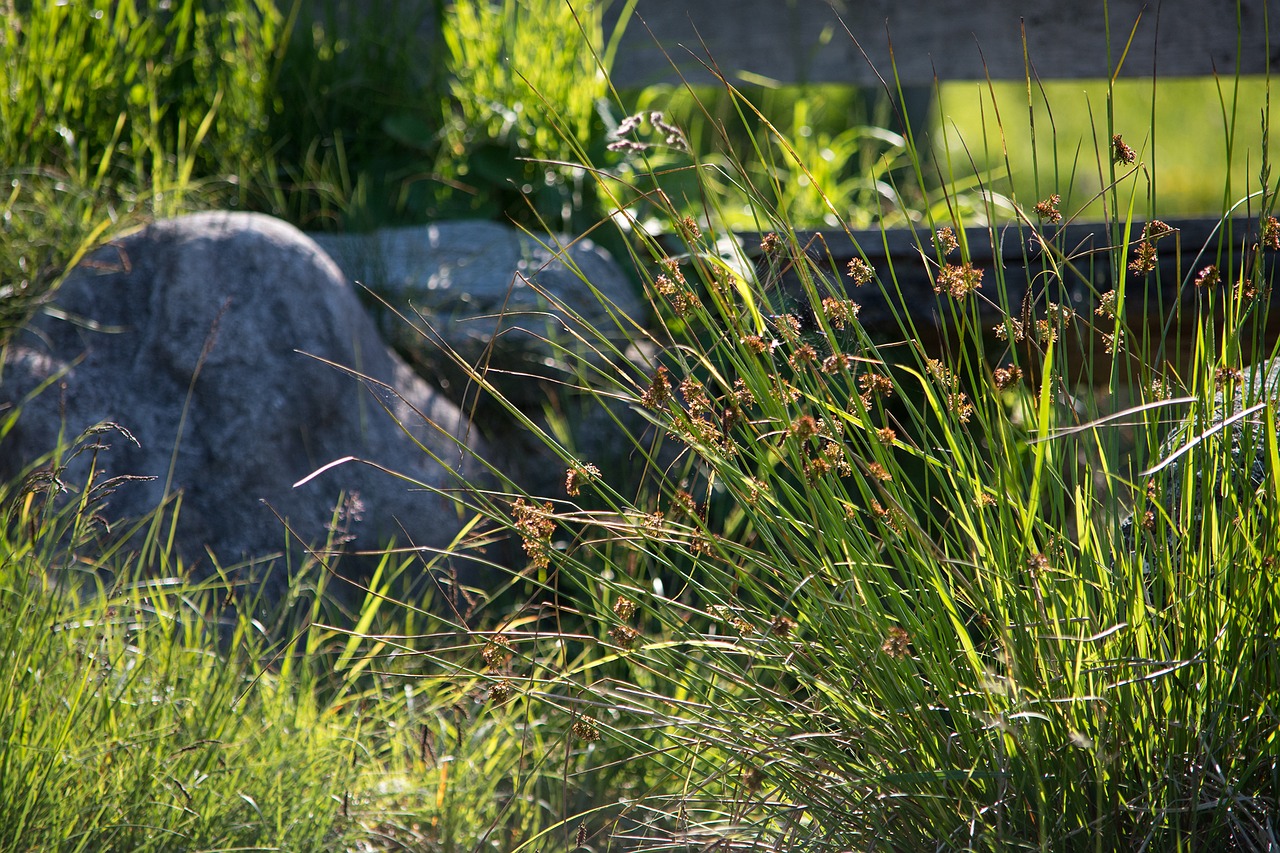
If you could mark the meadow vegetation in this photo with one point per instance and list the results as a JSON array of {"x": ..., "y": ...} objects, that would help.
[{"x": 869, "y": 596}]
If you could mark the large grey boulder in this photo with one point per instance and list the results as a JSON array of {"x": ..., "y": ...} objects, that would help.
[
  {"x": 498, "y": 299},
  {"x": 218, "y": 334}
]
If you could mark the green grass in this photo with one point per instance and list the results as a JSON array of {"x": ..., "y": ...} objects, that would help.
[
  {"x": 1202, "y": 138},
  {"x": 869, "y": 596}
]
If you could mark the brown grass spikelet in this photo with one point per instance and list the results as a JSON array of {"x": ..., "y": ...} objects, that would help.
[
  {"x": 897, "y": 643},
  {"x": 731, "y": 416},
  {"x": 840, "y": 312},
  {"x": 788, "y": 327},
  {"x": 752, "y": 779},
  {"x": 585, "y": 730},
  {"x": 672, "y": 266},
  {"x": 687, "y": 504},
  {"x": 1144, "y": 258},
  {"x": 1208, "y": 277},
  {"x": 860, "y": 271},
  {"x": 888, "y": 517},
  {"x": 958, "y": 281},
  {"x": 1011, "y": 327},
  {"x": 875, "y": 385},
  {"x": 1225, "y": 378},
  {"x": 501, "y": 691},
  {"x": 836, "y": 362},
  {"x": 1156, "y": 229},
  {"x": 535, "y": 525},
  {"x": 944, "y": 241},
  {"x": 624, "y": 636},
  {"x": 959, "y": 405},
  {"x": 1107, "y": 304},
  {"x": 1038, "y": 562},
  {"x": 695, "y": 396},
  {"x": 770, "y": 244},
  {"x": 676, "y": 292},
  {"x": 742, "y": 394},
  {"x": 755, "y": 488},
  {"x": 1047, "y": 209},
  {"x": 755, "y": 344},
  {"x": 664, "y": 285},
  {"x": 689, "y": 228},
  {"x": 496, "y": 651},
  {"x": 1271, "y": 233},
  {"x": 938, "y": 371},
  {"x": 781, "y": 626},
  {"x": 804, "y": 427},
  {"x": 879, "y": 472},
  {"x": 580, "y": 840},
  {"x": 817, "y": 468},
  {"x": 1122, "y": 153},
  {"x": 804, "y": 354},
  {"x": 659, "y": 391},
  {"x": 578, "y": 476},
  {"x": 652, "y": 522},
  {"x": 624, "y": 608},
  {"x": 886, "y": 435},
  {"x": 1056, "y": 316},
  {"x": 1006, "y": 377}
]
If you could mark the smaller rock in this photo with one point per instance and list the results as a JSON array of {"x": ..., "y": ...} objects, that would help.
[{"x": 495, "y": 297}]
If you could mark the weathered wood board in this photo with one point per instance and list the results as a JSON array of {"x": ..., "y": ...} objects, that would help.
[{"x": 795, "y": 41}]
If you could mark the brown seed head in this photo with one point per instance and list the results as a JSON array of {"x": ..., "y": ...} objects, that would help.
[
  {"x": 944, "y": 241},
  {"x": 958, "y": 281},
  {"x": 1227, "y": 377},
  {"x": 875, "y": 384},
  {"x": 1156, "y": 229},
  {"x": 624, "y": 608},
  {"x": 879, "y": 472},
  {"x": 578, "y": 476},
  {"x": 1007, "y": 377},
  {"x": 659, "y": 391},
  {"x": 1144, "y": 258},
  {"x": 837, "y": 362},
  {"x": 1122, "y": 153},
  {"x": 805, "y": 427},
  {"x": 897, "y": 642},
  {"x": 1048, "y": 209},
  {"x": 1271, "y": 233},
  {"x": 1107, "y": 305},
  {"x": 1208, "y": 277},
  {"x": 803, "y": 355},
  {"x": 584, "y": 729},
  {"x": 860, "y": 271},
  {"x": 689, "y": 228},
  {"x": 624, "y": 636},
  {"x": 840, "y": 312}
]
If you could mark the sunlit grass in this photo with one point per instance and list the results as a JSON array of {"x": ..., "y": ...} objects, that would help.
[
  {"x": 868, "y": 594},
  {"x": 1203, "y": 138}
]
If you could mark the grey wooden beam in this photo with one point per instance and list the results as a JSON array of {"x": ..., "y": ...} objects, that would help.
[{"x": 796, "y": 41}]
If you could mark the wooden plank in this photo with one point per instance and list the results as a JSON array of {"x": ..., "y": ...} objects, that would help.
[
  {"x": 796, "y": 41},
  {"x": 1164, "y": 307}
]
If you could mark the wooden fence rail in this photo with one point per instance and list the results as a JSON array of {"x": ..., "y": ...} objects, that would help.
[{"x": 853, "y": 41}]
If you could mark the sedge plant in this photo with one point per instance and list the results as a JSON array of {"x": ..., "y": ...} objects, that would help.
[{"x": 878, "y": 593}]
